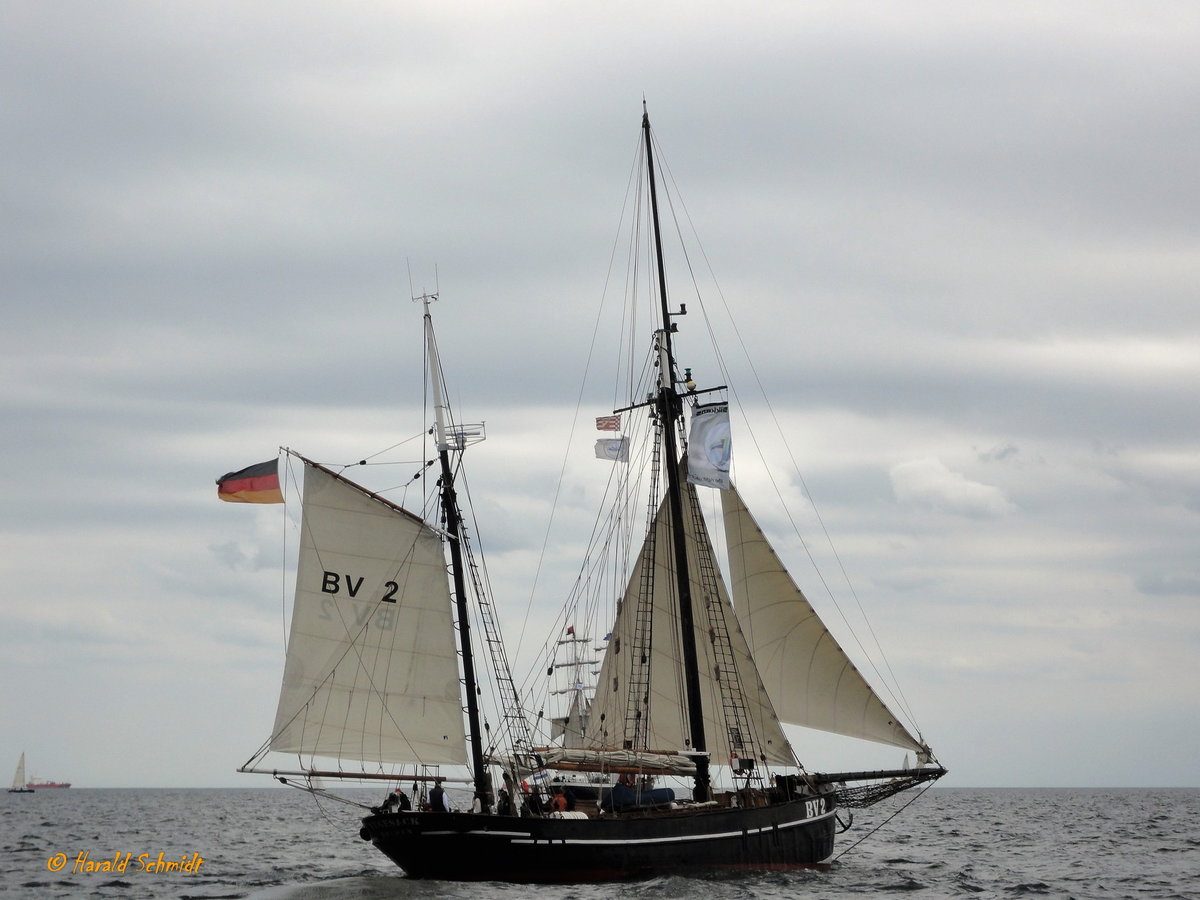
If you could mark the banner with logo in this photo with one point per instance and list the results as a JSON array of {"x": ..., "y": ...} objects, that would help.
[{"x": 710, "y": 446}]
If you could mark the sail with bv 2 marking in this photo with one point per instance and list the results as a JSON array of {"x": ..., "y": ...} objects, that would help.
[{"x": 372, "y": 634}]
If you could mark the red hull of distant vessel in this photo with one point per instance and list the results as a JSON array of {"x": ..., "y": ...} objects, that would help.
[{"x": 39, "y": 785}]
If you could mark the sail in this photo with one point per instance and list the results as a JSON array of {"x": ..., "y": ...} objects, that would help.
[
  {"x": 808, "y": 675},
  {"x": 658, "y": 763},
  {"x": 371, "y": 671},
  {"x": 572, "y": 727},
  {"x": 667, "y": 728},
  {"x": 19, "y": 777}
]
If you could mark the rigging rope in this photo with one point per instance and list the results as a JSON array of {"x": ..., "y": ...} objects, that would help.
[
  {"x": 911, "y": 800},
  {"x": 317, "y": 793}
]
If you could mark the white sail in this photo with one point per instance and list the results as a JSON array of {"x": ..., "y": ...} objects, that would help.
[
  {"x": 19, "y": 778},
  {"x": 572, "y": 727},
  {"x": 372, "y": 671},
  {"x": 668, "y": 727},
  {"x": 807, "y": 674}
]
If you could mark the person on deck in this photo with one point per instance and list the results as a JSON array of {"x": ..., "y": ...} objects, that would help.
[
  {"x": 390, "y": 802},
  {"x": 402, "y": 801},
  {"x": 437, "y": 798},
  {"x": 504, "y": 806}
]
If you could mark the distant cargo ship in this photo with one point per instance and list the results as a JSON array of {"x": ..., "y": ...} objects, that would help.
[{"x": 38, "y": 783}]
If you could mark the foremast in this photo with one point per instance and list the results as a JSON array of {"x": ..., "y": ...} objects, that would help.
[
  {"x": 670, "y": 411},
  {"x": 454, "y": 532}
]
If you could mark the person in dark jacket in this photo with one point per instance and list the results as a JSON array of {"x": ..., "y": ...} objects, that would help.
[
  {"x": 390, "y": 802},
  {"x": 437, "y": 798},
  {"x": 504, "y": 806}
]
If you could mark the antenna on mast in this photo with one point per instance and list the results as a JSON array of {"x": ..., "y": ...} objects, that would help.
[{"x": 425, "y": 296}]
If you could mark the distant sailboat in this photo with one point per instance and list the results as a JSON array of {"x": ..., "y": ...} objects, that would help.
[{"x": 18, "y": 785}]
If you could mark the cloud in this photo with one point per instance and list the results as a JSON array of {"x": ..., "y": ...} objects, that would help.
[
  {"x": 999, "y": 453},
  {"x": 1169, "y": 585},
  {"x": 930, "y": 483},
  {"x": 238, "y": 558},
  {"x": 959, "y": 242}
]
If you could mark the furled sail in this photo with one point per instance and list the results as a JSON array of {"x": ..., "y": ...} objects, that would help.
[
  {"x": 657, "y": 763},
  {"x": 371, "y": 671},
  {"x": 667, "y": 728},
  {"x": 807, "y": 674}
]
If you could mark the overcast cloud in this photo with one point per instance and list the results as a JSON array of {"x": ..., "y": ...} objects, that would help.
[{"x": 961, "y": 243}]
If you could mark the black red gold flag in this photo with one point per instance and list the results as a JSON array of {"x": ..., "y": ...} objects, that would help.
[{"x": 253, "y": 484}]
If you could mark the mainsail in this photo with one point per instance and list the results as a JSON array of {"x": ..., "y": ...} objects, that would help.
[
  {"x": 19, "y": 778},
  {"x": 372, "y": 671},
  {"x": 807, "y": 674},
  {"x": 665, "y": 726}
]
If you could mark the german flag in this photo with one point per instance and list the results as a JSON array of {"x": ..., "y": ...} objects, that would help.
[{"x": 254, "y": 484}]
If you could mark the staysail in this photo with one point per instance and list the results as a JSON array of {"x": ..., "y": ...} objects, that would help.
[
  {"x": 371, "y": 671},
  {"x": 807, "y": 674},
  {"x": 666, "y": 728}
]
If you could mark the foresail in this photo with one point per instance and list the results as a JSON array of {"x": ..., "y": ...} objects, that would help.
[
  {"x": 667, "y": 721},
  {"x": 372, "y": 671},
  {"x": 807, "y": 674}
]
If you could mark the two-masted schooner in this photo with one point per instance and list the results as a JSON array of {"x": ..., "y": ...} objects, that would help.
[{"x": 396, "y": 670}]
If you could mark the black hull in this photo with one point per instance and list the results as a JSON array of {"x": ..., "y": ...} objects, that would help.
[{"x": 471, "y": 847}]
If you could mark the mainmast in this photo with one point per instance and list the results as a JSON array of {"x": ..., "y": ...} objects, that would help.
[
  {"x": 670, "y": 410},
  {"x": 454, "y": 531}
]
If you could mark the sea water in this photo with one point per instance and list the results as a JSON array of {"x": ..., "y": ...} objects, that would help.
[{"x": 281, "y": 844}]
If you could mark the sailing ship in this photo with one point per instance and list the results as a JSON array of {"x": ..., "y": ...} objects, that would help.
[
  {"x": 18, "y": 784},
  {"x": 396, "y": 670}
]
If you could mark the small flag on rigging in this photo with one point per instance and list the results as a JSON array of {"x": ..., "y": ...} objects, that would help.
[
  {"x": 615, "y": 449},
  {"x": 254, "y": 484},
  {"x": 609, "y": 423}
]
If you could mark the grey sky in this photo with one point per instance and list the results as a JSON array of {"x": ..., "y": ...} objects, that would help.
[{"x": 959, "y": 239}]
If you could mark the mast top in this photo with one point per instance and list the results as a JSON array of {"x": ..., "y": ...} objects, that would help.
[{"x": 449, "y": 435}]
